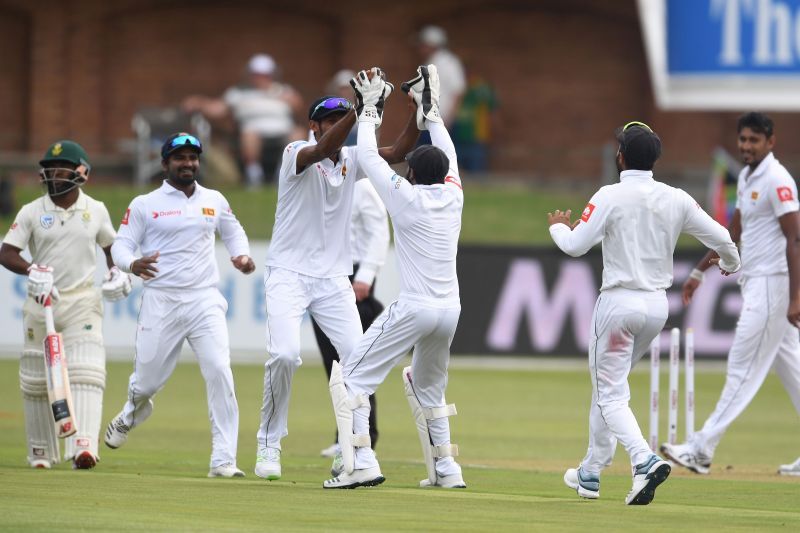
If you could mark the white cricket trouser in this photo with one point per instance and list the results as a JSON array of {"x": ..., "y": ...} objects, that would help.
[
  {"x": 623, "y": 325},
  {"x": 332, "y": 304},
  {"x": 167, "y": 318},
  {"x": 763, "y": 336},
  {"x": 405, "y": 324}
]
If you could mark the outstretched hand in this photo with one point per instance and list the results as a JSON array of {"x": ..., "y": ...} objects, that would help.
[
  {"x": 561, "y": 217},
  {"x": 144, "y": 267}
]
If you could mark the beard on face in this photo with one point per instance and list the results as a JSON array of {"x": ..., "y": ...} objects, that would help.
[{"x": 182, "y": 180}]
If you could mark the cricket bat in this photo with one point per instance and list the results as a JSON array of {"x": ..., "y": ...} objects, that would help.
[{"x": 58, "y": 390}]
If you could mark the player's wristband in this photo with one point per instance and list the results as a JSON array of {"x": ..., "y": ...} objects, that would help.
[{"x": 697, "y": 274}]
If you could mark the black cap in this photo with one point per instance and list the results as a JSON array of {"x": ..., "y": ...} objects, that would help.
[
  {"x": 179, "y": 140},
  {"x": 317, "y": 111},
  {"x": 640, "y": 146},
  {"x": 430, "y": 164}
]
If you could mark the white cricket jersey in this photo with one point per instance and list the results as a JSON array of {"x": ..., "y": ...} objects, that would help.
[
  {"x": 369, "y": 235},
  {"x": 311, "y": 235},
  {"x": 426, "y": 220},
  {"x": 64, "y": 239},
  {"x": 182, "y": 230},
  {"x": 763, "y": 196},
  {"x": 452, "y": 82},
  {"x": 638, "y": 221}
]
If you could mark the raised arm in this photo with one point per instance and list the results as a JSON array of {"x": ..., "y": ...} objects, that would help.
[
  {"x": 407, "y": 139},
  {"x": 330, "y": 143},
  {"x": 577, "y": 238}
]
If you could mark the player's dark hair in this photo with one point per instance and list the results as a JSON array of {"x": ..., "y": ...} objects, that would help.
[{"x": 758, "y": 122}]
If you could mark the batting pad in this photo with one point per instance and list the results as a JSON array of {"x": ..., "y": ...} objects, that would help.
[
  {"x": 86, "y": 360},
  {"x": 343, "y": 407},
  {"x": 39, "y": 426},
  {"x": 422, "y": 416}
]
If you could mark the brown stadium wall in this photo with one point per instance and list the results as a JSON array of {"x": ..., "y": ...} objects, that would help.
[{"x": 566, "y": 72}]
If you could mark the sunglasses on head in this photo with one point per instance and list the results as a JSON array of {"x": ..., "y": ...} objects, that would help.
[
  {"x": 637, "y": 123},
  {"x": 184, "y": 139},
  {"x": 333, "y": 103}
]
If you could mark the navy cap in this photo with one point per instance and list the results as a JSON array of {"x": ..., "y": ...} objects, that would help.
[
  {"x": 429, "y": 163},
  {"x": 176, "y": 141}
]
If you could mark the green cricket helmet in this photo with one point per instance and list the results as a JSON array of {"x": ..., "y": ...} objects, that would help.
[{"x": 59, "y": 178}]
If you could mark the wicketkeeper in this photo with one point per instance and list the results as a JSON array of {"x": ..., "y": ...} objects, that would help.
[{"x": 62, "y": 230}]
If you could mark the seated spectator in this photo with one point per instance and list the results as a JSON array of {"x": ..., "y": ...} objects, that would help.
[{"x": 264, "y": 110}]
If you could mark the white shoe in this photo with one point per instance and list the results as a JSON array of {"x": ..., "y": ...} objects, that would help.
[
  {"x": 685, "y": 455},
  {"x": 586, "y": 485},
  {"x": 84, "y": 460},
  {"x": 268, "y": 463},
  {"x": 364, "y": 477},
  {"x": 40, "y": 463},
  {"x": 116, "y": 432},
  {"x": 646, "y": 477},
  {"x": 455, "y": 481},
  {"x": 790, "y": 470},
  {"x": 225, "y": 470},
  {"x": 331, "y": 451}
]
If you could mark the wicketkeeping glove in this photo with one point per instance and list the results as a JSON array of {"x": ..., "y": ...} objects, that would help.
[
  {"x": 40, "y": 283},
  {"x": 116, "y": 285},
  {"x": 424, "y": 88},
  {"x": 368, "y": 93}
]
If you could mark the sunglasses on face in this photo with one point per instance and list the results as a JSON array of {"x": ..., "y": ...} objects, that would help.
[
  {"x": 333, "y": 103},
  {"x": 182, "y": 140}
]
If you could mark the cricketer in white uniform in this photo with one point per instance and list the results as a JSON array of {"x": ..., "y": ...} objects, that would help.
[
  {"x": 425, "y": 208},
  {"x": 62, "y": 230},
  {"x": 369, "y": 244},
  {"x": 309, "y": 259},
  {"x": 767, "y": 225},
  {"x": 638, "y": 220},
  {"x": 174, "y": 229}
]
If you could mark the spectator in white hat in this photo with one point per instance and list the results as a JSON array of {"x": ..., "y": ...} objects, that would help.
[
  {"x": 432, "y": 48},
  {"x": 264, "y": 110}
]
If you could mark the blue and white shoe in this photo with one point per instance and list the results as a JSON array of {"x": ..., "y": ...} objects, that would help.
[
  {"x": 646, "y": 477},
  {"x": 586, "y": 485}
]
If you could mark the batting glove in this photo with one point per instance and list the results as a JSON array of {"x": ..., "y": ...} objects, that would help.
[
  {"x": 40, "y": 283},
  {"x": 368, "y": 93},
  {"x": 424, "y": 88},
  {"x": 116, "y": 285}
]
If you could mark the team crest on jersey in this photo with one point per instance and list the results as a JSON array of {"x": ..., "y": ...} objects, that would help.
[
  {"x": 47, "y": 220},
  {"x": 587, "y": 212},
  {"x": 30, "y": 334},
  {"x": 208, "y": 211},
  {"x": 754, "y": 195},
  {"x": 785, "y": 194},
  {"x": 86, "y": 217}
]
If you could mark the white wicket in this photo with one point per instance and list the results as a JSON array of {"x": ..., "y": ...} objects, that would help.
[
  {"x": 674, "y": 370},
  {"x": 655, "y": 356},
  {"x": 674, "y": 376},
  {"x": 689, "y": 381}
]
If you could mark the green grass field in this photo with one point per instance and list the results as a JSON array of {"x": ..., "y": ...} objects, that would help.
[{"x": 518, "y": 429}]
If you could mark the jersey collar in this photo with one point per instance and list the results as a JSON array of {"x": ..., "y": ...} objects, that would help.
[
  {"x": 166, "y": 188},
  {"x": 635, "y": 174},
  {"x": 79, "y": 205},
  {"x": 762, "y": 167}
]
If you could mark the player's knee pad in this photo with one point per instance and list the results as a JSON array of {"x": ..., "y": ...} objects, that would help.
[
  {"x": 39, "y": 424},
  {"x": 86, "y": 366},
  {"x": 343, "y": 407},
  {"x": 422, "y": 417}
]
